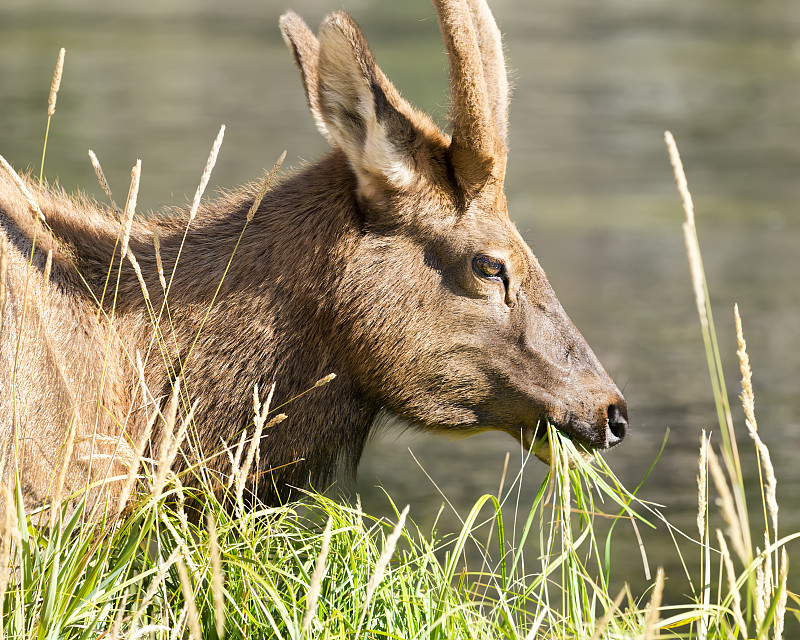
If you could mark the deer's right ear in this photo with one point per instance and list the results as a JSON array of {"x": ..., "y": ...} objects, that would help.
[
  {"x": 383, "y": 137},
  {"x": 305, "y": 49}
]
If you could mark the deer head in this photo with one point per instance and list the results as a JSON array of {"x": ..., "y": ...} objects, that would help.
[{"x": 447, "y": 318}]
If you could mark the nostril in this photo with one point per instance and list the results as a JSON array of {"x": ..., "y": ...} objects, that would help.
[{"x": 617, "y": 425}]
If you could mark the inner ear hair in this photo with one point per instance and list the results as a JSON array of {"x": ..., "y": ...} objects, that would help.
[{"x": 360, "y": 108}]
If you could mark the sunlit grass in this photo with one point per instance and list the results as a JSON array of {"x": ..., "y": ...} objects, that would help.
[
  {"x": 123, "y": 578},
  {"x": 320, "y": 568}
]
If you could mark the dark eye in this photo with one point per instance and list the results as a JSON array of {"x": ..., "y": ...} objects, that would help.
[{"x": 489, "y": 267}]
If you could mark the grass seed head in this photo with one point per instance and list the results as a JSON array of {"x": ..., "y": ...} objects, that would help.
[
  {"x": 780, "y": 608},
  {"x": 702, "y": 486},
  {"x": 265, "y": 185},
  {"x": 728, "y": 506},
  {"x": 31, "y": 201},
  {"x": 130, "y": 206},
  {"x": 680, "y": 177},
  {"x": 212, "y": 160},
  {"x": 159, "y": 263},
  {"x": 101, "y": 177},
  {"x": 324, "y": 380},
  {"x": 55, "y": 85},
  {"x": 653, "y": 608},
  {"x": 747, "y": 396}
]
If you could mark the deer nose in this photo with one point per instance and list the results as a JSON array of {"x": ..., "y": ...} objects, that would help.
[{"x": 617, "y": 427}]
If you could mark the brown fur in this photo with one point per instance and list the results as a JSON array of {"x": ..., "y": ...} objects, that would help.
[{"x": 363, "y": 264}]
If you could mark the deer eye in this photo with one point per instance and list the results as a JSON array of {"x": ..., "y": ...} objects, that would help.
[{"x": 488, "y": 267}]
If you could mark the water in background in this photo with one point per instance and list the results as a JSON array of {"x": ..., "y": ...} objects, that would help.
[{"x": 589, "y": 185}]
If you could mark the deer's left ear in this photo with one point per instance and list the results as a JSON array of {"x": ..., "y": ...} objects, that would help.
[
  {"x": 305, "y": 49},
  {"x": 379, "y": 132}
]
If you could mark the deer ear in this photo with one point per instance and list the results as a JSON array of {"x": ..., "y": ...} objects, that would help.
[
  {"x": 363, "y": 111},
  {"x": 305, "y": 49}
]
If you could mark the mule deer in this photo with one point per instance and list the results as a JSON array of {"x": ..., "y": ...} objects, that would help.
[{"x": 391, "y": 262}]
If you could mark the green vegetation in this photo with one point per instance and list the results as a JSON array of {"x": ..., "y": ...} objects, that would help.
[
  {"x": 321, "y": 569},
  {"x": 274, "y": 572}
]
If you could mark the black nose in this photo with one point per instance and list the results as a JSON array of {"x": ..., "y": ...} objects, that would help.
[{"x": 617, "y": 427}]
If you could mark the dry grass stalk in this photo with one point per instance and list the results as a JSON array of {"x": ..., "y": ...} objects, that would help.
[
  {"x": 748, "y": 397},
  {"x": 3, "y": 277},
  {"x": 48, "y": 268},
  {"x": 123, "y": 452},
  {"x": 133, "y": 469},
  {"x": 212, "y": 160},
  {"x": 141, "y": 609},
  {"x": 764, "y": 586},
  {"x": 236, "y": 458},
  {"x": 727, "y": 506},
  {"x": 770, "y": 579},
  {"x": 101, "y": 178},
  {"x": 780, "y": 608},
  {"x": 180, "y": 623},
  {"x": 130, "y": 206},
  {"x": 122, "y": 608},
  {"x": 55, "y": 85},
  {"x": 702, "y": 486},
  {"x": 159, "y": 264},
  {"x": 142, "y": 381},
  {"x": 265, "y": 185},
  {"x": 731, "y": 453},
  {"x": 244, "y": 471},
  {"x": 680, "y": 177},
  {"x": 608, "y": 615},
  {"x": 732, "y": 586},
  {"x": 169, "y": 442},
  {"x": 217, "y": 577},
  {"x": 135, "y": 264},
  {"x": 652, "y": 617},
  {"x": 188, "y": 597},
  {"x": 696, "y": 269},
  {"x": 315, "y": 587},
  {"x": 182, "y": 517},
  {"x": 151, "y": 630},
  {"x": 260, "y": 418},
  {"x": 769, "y": 472},
  {"x": 32, "y": 204},
  {"x": 748, "y": 404},
  {"x": 257, "y": 402},
  {"x": 55, "y": 503},
  {"x": 181, "y": 541},
  {"x": 383, "y": 561}
]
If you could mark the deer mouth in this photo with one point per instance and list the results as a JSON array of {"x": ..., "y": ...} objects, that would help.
[
  {"x": 536, "y": 439},
  {"x": 603, "y": 431}
]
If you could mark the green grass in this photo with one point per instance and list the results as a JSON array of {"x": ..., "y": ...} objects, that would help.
[
  {"x": 319, "y": 568},
  {"x": 123, "y": 579}
]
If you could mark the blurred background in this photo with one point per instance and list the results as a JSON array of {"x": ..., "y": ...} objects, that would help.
[{"x": 589, "y": 185}]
